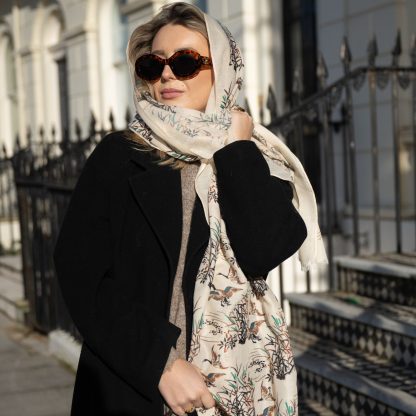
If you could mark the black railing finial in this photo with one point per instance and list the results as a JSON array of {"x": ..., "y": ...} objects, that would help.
[
  {"x": 111, "y": 119},
  {"x": 29, "y": 136},
  {"x": 42, "y": 134},
  {"x": 128, "y": 116},
  {"x": 78, "y": 130},
  {"x": 397, "y": 49},
  {"x": 53, "y": 134},
  {"x": 345, "y": 54},
  {"x": 322, "y": 71},
  {"x": 4, "y": 152},
  {"x": 372, "y": 51},
  {"x": 271, "y": 104},
  {"x": 17, "y": 143},
  {"x": 93, "y": 121}
]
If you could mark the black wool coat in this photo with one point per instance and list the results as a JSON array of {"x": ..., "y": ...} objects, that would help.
[{"x": 117, "y": 252}]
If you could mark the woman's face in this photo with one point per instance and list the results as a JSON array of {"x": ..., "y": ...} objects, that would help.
[{"x": 194, "y": 92}]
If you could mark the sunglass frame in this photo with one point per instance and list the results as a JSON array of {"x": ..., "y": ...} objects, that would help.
[{"x": 204, "y": 62}]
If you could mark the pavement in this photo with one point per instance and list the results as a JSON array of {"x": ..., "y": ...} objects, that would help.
[{"x": 33, "y": 382}]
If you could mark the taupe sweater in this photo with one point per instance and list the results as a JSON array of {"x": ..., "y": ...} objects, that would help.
[{"x": 177, "y": 308}]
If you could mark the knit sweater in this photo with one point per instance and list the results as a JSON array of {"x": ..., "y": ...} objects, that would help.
[{"x": 177, "y": 308}]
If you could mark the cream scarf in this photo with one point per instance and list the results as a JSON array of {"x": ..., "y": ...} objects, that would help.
[{"x": 239, "y": 334}]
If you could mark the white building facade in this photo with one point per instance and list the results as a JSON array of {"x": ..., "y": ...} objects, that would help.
[{"x": 62, "y": 60}]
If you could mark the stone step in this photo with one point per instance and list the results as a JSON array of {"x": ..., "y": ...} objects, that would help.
[
  {"x": 346, "y": 392},
  {"x": 389, "y": 278},
  {"x": 379, "y": 370},
  {"x": 310, "y": 407},
  {"x": 401, "y": 313},
  {"x": 372, "y": 330}
]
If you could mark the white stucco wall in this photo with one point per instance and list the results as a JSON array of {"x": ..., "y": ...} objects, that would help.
[{"x": 92, "y": 35}]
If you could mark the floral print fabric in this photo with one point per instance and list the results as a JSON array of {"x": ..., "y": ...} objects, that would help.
[{"x": 239, "y": 333}]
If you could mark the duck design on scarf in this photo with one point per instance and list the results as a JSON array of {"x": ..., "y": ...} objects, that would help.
[{"x": 240, "y": 340}]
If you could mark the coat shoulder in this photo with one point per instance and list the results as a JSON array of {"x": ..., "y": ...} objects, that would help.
[{"x": 115, "y": 149}]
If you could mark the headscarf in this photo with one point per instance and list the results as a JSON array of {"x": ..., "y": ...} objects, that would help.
[{"x": 239, "y": 335}]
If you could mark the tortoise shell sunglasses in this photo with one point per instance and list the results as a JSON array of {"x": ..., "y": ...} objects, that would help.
[{"x": 185, "y": 64}]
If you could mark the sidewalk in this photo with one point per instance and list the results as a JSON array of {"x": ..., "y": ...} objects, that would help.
[{"x": 32, "y": 382}]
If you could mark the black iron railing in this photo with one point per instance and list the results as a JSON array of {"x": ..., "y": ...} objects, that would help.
[
  {"x": 46, "y": 170},
  {"x": 331, "y": 111},
  {"x": 45, "y": 173}
]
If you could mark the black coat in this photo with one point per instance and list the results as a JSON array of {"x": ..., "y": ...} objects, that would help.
[{"x": 117, "y": 253}]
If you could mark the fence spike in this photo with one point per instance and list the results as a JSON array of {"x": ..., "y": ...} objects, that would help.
[
  {"x": 53, "y": 133},
  {"x": 28, "y": 135},
  {"x": 42, "y": 134},
  {"x": 372, "y": 51},
  {"x": 78, "y": 131},
  {"x": 345, "y": 54},
  {"x": 111, "y": 119},
  {"x": 17, "y": 143},
  {"x": 92, "y": 123},
  {"x": 4, "y": 151},
  {"x": 322, "y": 70},
  {"x": 128, "y": 116},
  {"x": 397, "y": 49},
  {"x": 271, "y": 104},
  {"x": 413, "y": 50}
]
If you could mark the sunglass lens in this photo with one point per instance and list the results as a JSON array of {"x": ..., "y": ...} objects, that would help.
[
  {"x": 184, "y": 65},
  {"x": 148, "y": 68}
]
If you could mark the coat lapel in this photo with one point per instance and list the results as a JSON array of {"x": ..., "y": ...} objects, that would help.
[{"x": 157, "y": 190}]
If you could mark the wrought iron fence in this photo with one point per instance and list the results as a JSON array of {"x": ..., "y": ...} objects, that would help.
[
  {"x": 45, "y": 173},
  {"x": 330, "y": 112},
  {"x": 46, "y": 170}
]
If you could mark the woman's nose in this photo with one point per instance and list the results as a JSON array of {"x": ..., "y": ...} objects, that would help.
[{"x": 167, "y": 73}]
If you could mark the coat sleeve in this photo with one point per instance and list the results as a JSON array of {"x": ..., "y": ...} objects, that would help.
[
  {"x": 130, "y": 340},
  {"x": 263, "y": 226}
]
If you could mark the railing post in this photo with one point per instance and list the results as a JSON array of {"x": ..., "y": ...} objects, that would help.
[
  {"x": 346, "y": 60},
  {"x": 372, "y": 85},
  {"x": 325, "y": 110},
  {"x": 297, "y": 92},
  {"x": 111, "y": 120},
  {"x": 397, "y": 50}
]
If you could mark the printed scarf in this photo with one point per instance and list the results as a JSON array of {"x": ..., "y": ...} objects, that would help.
[{"x": 239, "y": 334}]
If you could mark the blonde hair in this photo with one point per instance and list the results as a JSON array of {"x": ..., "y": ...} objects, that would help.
[{"x": 141, "y": 39}]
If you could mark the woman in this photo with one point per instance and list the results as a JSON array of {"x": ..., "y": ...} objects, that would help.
[{"x": 138, "y": 231}]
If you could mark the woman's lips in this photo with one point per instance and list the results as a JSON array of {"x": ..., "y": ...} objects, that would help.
[{"x": 171, "y": 94}]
